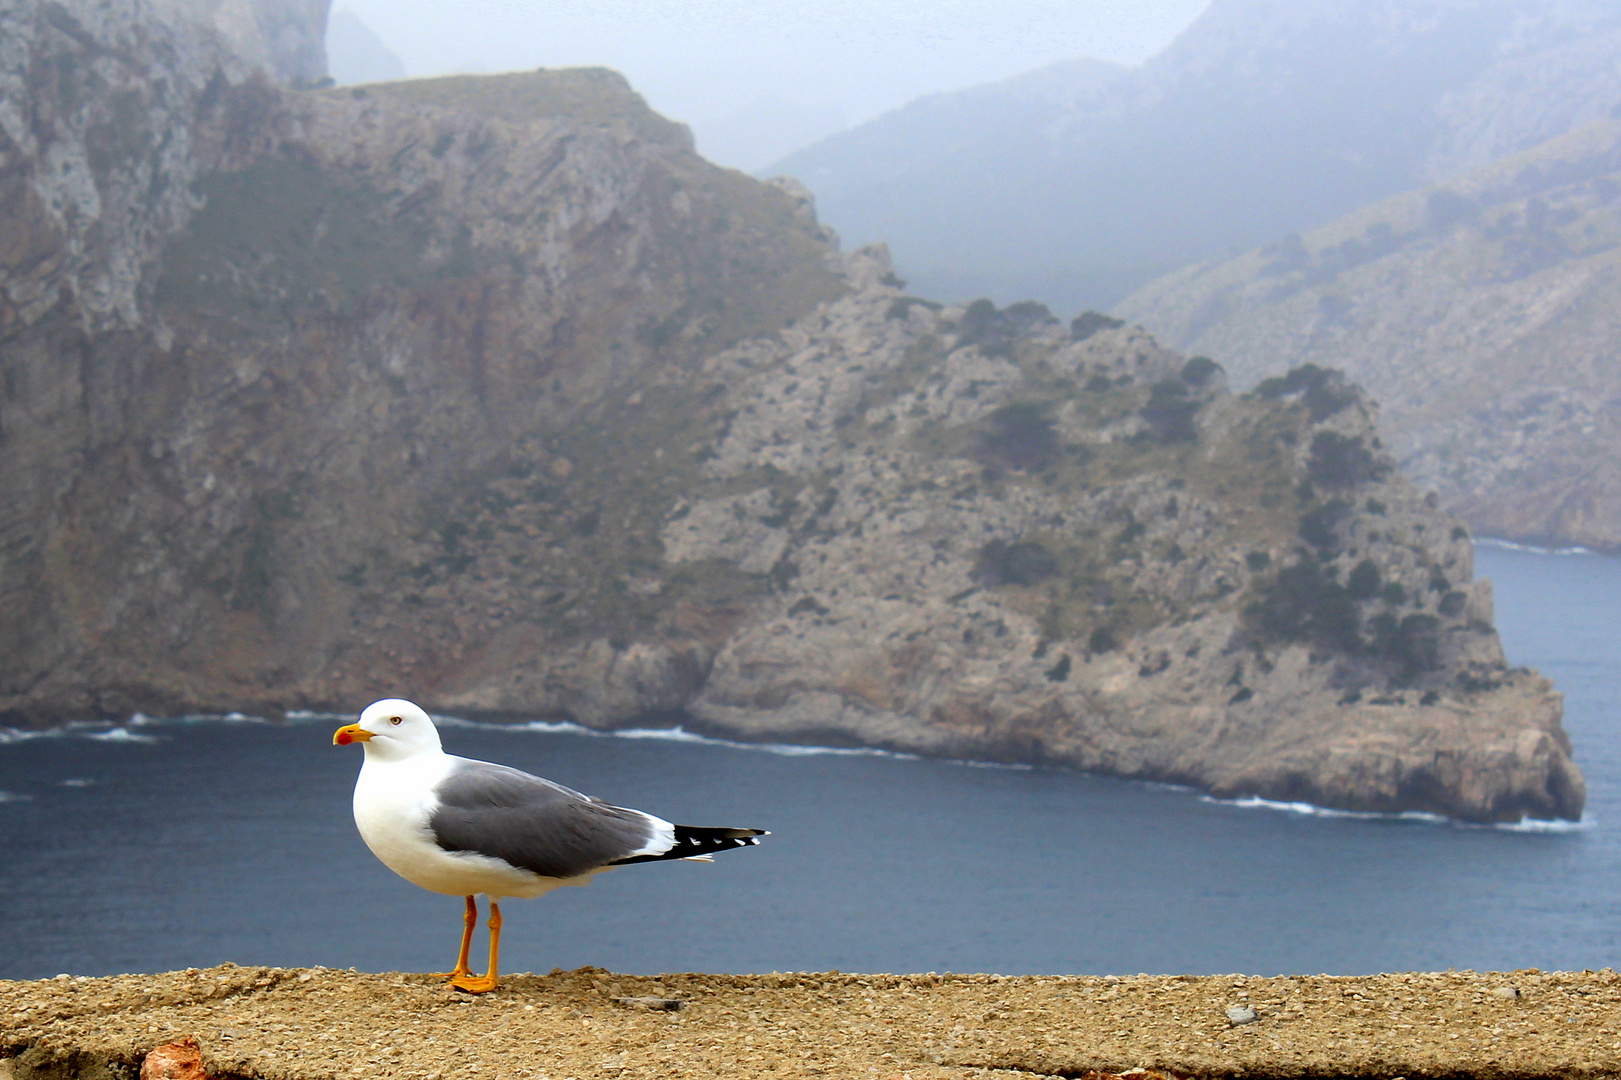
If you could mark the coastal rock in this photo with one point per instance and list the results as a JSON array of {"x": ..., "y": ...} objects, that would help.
[
  {"x": 178, "y": 1060},
  {"x": 1005, "y": 544},
  {"x": 490, "y": 392}
]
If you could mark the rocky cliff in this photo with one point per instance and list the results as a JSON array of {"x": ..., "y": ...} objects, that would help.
[
  {"x": 490, "y": 392},
  {"x": 979, "y": 533},
  {"x": 1483, "y": 313},
  {"x": 258, "y": 344}
]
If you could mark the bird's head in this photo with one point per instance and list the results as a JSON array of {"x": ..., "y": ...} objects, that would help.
[{"x": 392, "y": 728}]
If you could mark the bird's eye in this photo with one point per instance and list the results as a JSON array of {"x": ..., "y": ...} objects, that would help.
[{"x": 395, "y": 720}]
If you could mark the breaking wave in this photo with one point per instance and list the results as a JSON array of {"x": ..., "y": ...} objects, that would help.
[
  {"x": 1524, "y": 825},
  {"x": 1510, "y": 545}
]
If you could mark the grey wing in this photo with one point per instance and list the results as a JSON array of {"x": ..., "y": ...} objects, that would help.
[{"x": 533, "y": 824}]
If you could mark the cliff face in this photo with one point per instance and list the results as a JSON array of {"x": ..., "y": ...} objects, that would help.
[
  {"x": 981, "y": 534},
  {"x": 490, "y": 392},
  {"x": 256, "y": 343},
  {"x": 1483, "y": 313}
]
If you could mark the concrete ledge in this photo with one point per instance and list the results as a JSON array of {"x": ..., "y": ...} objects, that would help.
[{"x": 289, "y": 1024}]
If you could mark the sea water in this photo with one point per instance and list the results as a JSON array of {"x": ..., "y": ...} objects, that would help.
[{"x": 166, "y": 844}]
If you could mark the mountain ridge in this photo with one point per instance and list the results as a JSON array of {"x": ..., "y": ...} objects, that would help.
[
  {"x": 1258, "y": 120},
  {"x": 1478, "y": 310}
]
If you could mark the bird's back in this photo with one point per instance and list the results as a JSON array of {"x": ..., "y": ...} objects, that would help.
[{"x": 538, "y": 825}]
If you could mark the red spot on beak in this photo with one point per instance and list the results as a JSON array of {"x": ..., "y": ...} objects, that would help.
[{"x": 344, "y": 738}]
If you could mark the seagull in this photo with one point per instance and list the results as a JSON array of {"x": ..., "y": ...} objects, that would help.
[{"x": 463, "y": 828}]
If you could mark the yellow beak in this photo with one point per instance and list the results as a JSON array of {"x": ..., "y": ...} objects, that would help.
[{"x": 350, "y": 733}]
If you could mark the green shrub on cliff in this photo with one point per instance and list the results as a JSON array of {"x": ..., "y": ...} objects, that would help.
[
  {"x": 1323, "y": 391},
  {"x": 1338, "y": 461}
]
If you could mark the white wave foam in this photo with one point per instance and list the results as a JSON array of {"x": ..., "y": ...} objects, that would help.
[
  {"x": 1510, "y": 545},
  {"x": 1255, "y": 802},
  {"x": 120, "y": 735},
  {"x": 679, "y": 734},
  {"x": 299, "y": 716},
  {"x": 1524, "y": 825},
  {"x": 13, "y": 796},
  {"x": 546, "y": 727},
  {"x": 214, "y": 718},
  {"x": 17, "y": 735},
  {"x": 77, "y": 782},
  {"x": 669, "y": 734},
  {"x": 1013, "y": 766},
  {"x": 106, "y": 731},
  {"x": 1536, "y": 825},
  {"x": 90, "y": 729}
]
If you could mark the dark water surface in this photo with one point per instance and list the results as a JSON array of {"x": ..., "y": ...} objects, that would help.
[{"x": 190, "y": 844}]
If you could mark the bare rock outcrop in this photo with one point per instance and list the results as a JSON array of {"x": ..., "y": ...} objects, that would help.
[
  {"x": 988, "y": 539},
  {"x": 491, "y": 392}
]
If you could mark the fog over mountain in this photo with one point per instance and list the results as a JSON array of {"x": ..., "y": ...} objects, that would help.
[
  {"x": 757, "y": 79},
  {"x": 355, "y": 54},
  {"x": 1078, "y": 183}
]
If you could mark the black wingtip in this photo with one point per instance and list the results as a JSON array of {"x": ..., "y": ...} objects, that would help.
[{"x": 692, "y": 841}]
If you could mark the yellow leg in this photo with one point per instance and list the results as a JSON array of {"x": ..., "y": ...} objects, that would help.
[
  {"x": 483, "y": 984},
  {"x": 469, "y": 919}
]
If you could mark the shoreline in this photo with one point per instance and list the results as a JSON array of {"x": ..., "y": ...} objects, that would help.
[
  {"x": 298, "y": 1024},
  {"x": 120, "y": 731},
  {"x": 1541, "y": 549}
]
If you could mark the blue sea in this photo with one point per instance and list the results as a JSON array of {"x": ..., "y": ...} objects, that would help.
[{"x": 167, "y": 844}]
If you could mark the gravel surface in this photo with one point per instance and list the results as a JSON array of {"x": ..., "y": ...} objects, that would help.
[{"x": 272, "y": 1023}]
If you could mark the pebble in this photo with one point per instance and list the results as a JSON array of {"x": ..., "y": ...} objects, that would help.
[
  {"x": 1242, "y": 1014},
  {"x": 657, "y": 1004}
]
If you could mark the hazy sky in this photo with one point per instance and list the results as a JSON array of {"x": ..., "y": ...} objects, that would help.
[{"x": 758, "y": 78}]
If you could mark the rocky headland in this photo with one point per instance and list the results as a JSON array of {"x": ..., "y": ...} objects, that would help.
[
  {"x": 490, "y": 392},
  {"x": 1481, "y": 313},
  {"x": 291, "y": 1024}
]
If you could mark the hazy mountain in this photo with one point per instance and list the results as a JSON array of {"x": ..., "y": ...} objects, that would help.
[
  {"x": 284, "y": 37},
  {"x": 762, "y": 129},
  {"x": 355, "y": 54},
  {"x": 1485, "y": 314},
  {"x": 1080, "y": 182}
]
